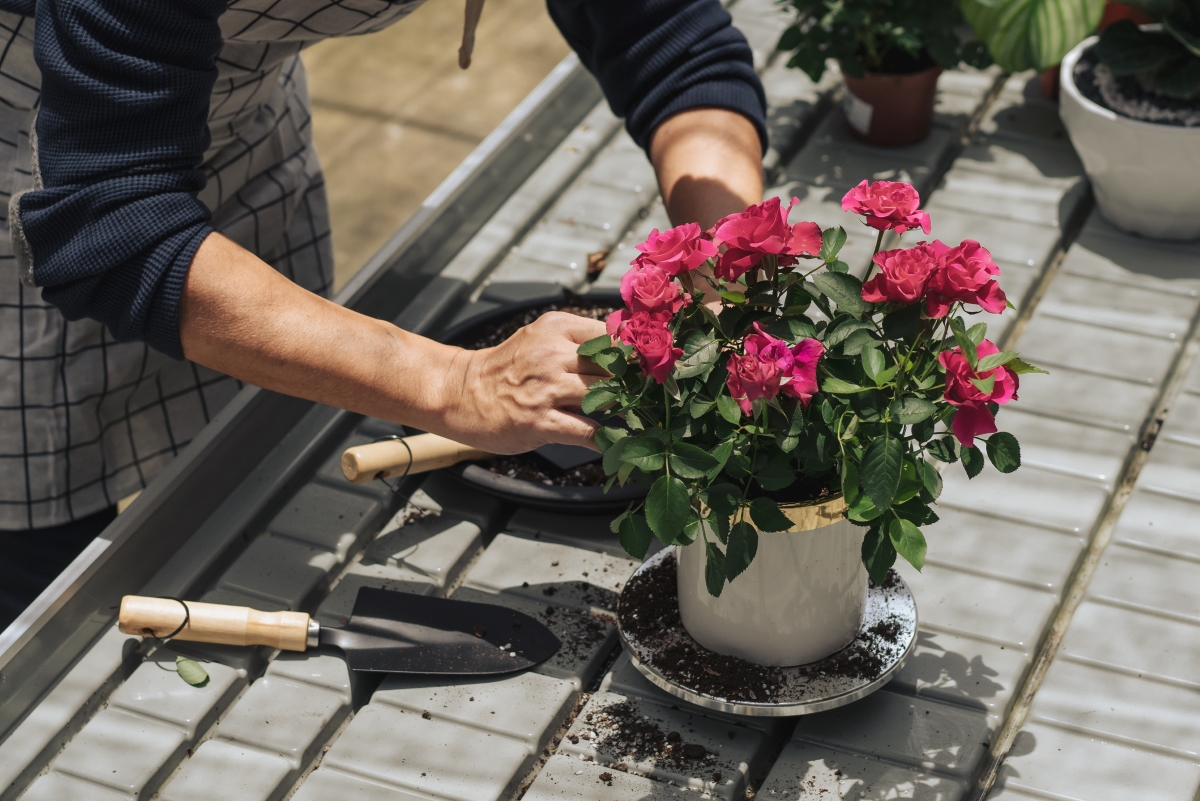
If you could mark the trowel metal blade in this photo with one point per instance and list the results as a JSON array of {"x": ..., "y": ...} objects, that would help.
[
  {"x": 566, "y": 457},
  {"x": 397, "y": 632}
]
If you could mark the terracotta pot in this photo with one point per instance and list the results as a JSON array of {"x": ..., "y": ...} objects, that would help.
[
  {"x": 800, "y": 600},
  {"x": 891, "y": 110},
  {"x": 1048, "y": 80}
]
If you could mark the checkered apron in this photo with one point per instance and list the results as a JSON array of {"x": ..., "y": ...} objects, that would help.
[{"x": 85, "y": 420}]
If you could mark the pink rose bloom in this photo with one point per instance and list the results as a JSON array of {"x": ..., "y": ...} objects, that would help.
[
  {"x": 769, "y": 366},
  {"x": 964, "y": 274},
  {"x": 652, "y": 289},
  {"x": 803, "y": 383},
  {"x": 751, "y": 378},
  {"x": 973, "y": 417},
  {"x": 972, "y": 420},
  {"x": 678, "y": 250},
  {"x": 887, "y": 204},
  {"x": 761, "y": 230},
  {"x": 650, "y": 337},
  {"x": 903, "y": 274}
]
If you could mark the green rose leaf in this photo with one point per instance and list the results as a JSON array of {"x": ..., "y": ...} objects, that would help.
[
  {"x": 996, "y": 360},
  {"x": 766, "y": 515},
  {"x": 873, "y": 362},
  {"x": 843, "y": 289},
  {"x": 931, "y": 478},
  {"x": 612, "y": 360},
  {"x": 977, "y": 332},
  {"x": 732, "y": 297},
  {"x": 839, "y": 334},
  {"x": 607, "y": 436},
  {"x": 878, "y": 554},
  {"x": 1021, "y": 367},
  {"x": 910, "y": 411},
  {"x": 837, "y": 267},
  {"x": 727, "y": 407},
  {"x": 700, "y": 353},
  {"x": 800, "y": 328},
  {"x": 720, "y": 456},
  {"x": 724, "y": 498},
  {"x": 714, "y": 569},
  {"x": 594, "y": 346},
  {"x": 598, "y": 397},
  {"x": 964, "y": 341},
  {"x": 924, "y": 430},
  {"x": 191, "y": 671},
  {"x": 859, "y": 341},
  {"x": 1004, "y": 451},
  {"x": 972, "y": 459},
  {"x": 743, "y": 545},
  {"x": 985, "y": 385},
  {"x": 689, "y": 461},
  {"x": 837, "y": 386},
  {"x": 908, "y": 541},
  {"x": 691, "y": 530},
  {"x": 701, "y": 406},
  {"x": 774, "y": 476},
  {"x": 944, "y": 450},
  {"x": 668, "y": 508},
  {"x": 910, "y": 482},
  {"x": 644, "y": 453},
  {"x": 832, "y": 240},
  {"x": 635, "y": 535},
  {"x": 879, "y": 472}
]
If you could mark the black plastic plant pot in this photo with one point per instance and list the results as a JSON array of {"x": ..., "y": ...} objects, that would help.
[{"x": 580, "y": 500}]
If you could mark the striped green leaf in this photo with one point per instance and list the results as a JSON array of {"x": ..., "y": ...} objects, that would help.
[{"x": 1025, "y": 34}]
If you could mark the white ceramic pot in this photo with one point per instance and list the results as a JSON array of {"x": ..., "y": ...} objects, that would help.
[
  {"x": 1146, "y": 176},
  {"x": 800, "y": 600}
]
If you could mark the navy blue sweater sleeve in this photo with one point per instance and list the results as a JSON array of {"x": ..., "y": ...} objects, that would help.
[
  {"x": 112, "y": 222},
  {"x": 655, "y": 58}
]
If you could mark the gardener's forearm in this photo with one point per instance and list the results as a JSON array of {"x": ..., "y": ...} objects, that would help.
[
  {"x": 241, "y": 317},
  {"x": 709, "y": 164}
]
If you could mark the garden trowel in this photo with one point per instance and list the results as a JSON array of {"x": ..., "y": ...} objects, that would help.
[
  {"x": 388, "y": 632},
  {"x": 421, "y": 453}
]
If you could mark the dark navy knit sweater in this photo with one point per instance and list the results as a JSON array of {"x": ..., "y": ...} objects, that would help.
[{"x": 122, "y": 128}]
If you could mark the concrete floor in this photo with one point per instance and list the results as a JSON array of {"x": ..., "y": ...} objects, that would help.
[{"x": 393, "y": 114}]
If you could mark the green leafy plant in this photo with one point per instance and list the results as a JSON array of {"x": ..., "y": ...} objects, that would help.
[
  {"x": 891, "y": 36},
  {"x": 1032, "y": 34},
  {"x": 801, "y": 377},
  {"x": 1166, "y": 60}
]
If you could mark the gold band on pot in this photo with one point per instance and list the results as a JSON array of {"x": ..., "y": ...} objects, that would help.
[{"x": 814, "y": 514}]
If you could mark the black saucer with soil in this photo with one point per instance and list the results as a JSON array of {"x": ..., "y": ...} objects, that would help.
[{"x": 528, "y": 478}]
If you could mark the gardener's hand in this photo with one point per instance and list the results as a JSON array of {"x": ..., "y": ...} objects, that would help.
[{"x": 525, "y": 392}]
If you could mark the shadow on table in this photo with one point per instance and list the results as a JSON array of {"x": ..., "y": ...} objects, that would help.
[{"x": 965, "y": 681}]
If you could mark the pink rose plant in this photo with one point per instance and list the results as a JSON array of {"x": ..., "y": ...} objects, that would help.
[
  {"x": 887, "y": 205},
  {"x": 735, "y": 371}
]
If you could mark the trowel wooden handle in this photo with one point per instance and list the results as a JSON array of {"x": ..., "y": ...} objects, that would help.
[
  {"x": 228, "y": 625},
  {"x": 391, "y": 457}
]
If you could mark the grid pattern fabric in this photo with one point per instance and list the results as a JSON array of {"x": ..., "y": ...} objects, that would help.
[{"x": 86, "y": 420}]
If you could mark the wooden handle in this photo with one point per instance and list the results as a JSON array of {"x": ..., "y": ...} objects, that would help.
[
  {"x": 391, "y": 457},
  {"x": 228, "y": 625}
]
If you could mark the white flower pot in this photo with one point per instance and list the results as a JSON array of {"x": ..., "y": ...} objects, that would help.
[
  {"x": 1146, "y": 176},
  {"x": 800, "y": 600}
]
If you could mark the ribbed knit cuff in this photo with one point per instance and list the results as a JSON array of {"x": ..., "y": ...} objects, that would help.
[{"x": 162, "y": 326}]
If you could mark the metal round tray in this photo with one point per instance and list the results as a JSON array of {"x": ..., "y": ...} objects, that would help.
[{"x": 800, "y": 692}]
